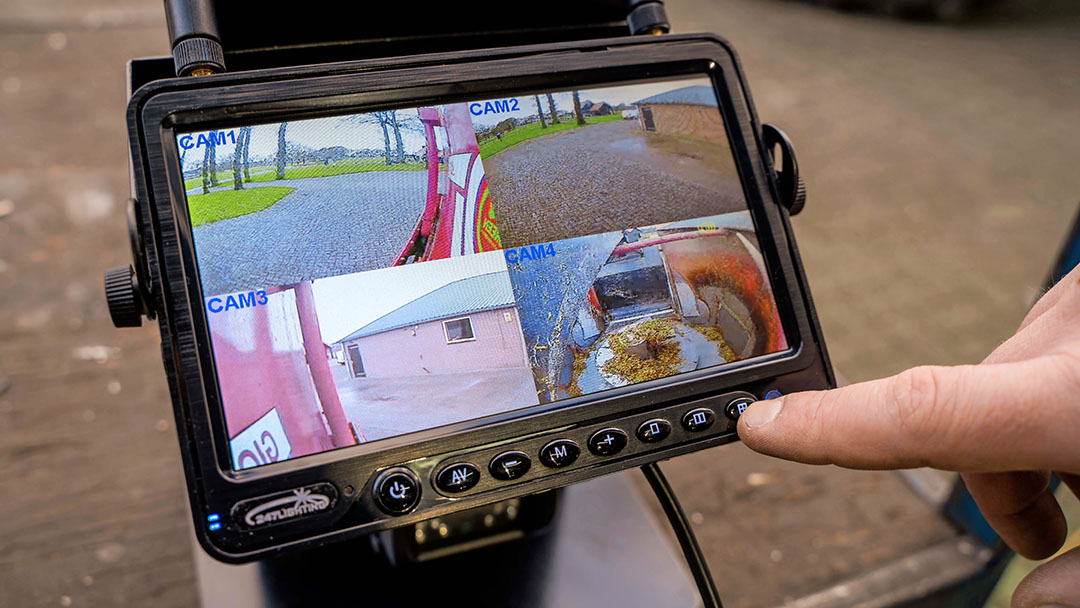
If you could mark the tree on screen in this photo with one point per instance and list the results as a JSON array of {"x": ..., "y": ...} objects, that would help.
[
  {"x": 245, "y": 143},
  {"x": 540, "y": 112},
  {"x": 577, "y": 109},
  {"x": 394, "y": 124},
  {"x": 391, "y": 123},
  {"x": 213, "y": 163},
  {"x": 553, "y": 110},
  {"x": 205, "y": 168},
  {"x": 383, "y": 120},
  {"x": 281, "y": 152},
  {"x": 237, "y": 175}
]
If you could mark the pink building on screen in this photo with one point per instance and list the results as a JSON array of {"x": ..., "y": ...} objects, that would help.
[{"x": 466, "y": 326}]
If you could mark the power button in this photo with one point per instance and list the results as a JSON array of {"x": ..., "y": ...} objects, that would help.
[{"x": 396, "y": 491}]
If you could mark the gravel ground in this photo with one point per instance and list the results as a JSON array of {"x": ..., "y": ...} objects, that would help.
[
  {"x": 609, "y": 176},
  {"x": 327, "y": 227}
]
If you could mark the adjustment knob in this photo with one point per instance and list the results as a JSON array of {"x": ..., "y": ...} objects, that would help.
[
  {"x": 122, "y": 295},
  {"x": 789, "y": 183},
  {"x": 800, "y": 198}
]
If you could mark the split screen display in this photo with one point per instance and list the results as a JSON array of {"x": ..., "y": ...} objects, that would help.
[{"x": 376, "y": 274}]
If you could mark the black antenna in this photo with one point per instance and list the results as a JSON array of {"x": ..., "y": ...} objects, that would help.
[
  {"x": 193, "y": 31},
  {"x": 646, "y": 17}
]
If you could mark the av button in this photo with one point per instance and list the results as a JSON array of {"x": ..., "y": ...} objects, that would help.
[
  {"x": 559, "y": 453},
  {"x": 698, "y": 419},
  {"x": 396, "y": 491},
  {"x": 457, "y": 477},
  {"x": 654, "y": 430},
  {"x": 606, "y": 442},
  {"x": 509, "y": 465}
]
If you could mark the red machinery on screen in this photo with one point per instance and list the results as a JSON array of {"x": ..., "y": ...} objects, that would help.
[{"x": 458, "y": 217}]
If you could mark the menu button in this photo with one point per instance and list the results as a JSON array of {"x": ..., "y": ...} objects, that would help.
[{"x": 559, "y": 453}]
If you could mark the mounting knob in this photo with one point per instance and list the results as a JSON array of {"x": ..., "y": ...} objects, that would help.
[
  {"x": 122, "y": 295},
  {"x": 646, "y": 17},
  {"x": 789, "y": 183},
  {"x": 196, "y": 43}
]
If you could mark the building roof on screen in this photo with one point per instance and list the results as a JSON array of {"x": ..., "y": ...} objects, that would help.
[
  {"x": 465, "y": 296},
  {"x": 697, "y": 95}
]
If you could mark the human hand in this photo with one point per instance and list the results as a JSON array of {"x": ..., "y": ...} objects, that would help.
[{"x": 1005, "y": 424}]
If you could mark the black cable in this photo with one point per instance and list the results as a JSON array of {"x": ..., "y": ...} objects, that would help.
[{"x": 679, "y": 524}]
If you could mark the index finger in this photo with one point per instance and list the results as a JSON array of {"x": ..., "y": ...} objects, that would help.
[{"x": 989, "y": 417}]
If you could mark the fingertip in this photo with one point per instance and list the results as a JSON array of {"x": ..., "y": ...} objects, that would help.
[
  {"x": 1036, "y": 532},
  {"x": 761, "y": 413},
  {"x": 762, "y": 427}
]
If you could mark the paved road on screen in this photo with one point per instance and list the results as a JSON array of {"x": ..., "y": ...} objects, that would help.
[
  {"x": 327, "y": 227},
  {"x": 606, "y": 177}
]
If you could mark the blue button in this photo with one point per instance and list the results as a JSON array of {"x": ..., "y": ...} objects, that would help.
[{"x": 773, "y": 394}]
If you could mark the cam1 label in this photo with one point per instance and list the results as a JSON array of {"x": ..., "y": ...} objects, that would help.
[{"x": 286, "y": 506}]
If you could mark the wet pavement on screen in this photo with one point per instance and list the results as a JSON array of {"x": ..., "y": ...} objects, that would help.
[
  {"x": 606, "y": 181},
  {"x": 327, "y": 227},
  {"x": 385, "y": 407}
]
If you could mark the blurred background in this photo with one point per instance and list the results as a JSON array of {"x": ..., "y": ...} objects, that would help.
[{"x": 940, "y": 161}]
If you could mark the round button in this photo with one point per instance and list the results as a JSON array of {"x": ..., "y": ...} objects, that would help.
[
  {"x": 559, "y": 453},
  {"x": 737, "y": 406},
  {"x": 654, "y": 430},
  {"x": 606, "y": 442},
  {"x": 698, "y": 419},
  {"x": 509, "y": 465},
  {"x": 396, "y": 491},
  {"x": 457, "y": 477}
]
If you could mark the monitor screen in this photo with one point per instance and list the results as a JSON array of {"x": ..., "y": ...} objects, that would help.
[{"x": 374, "y": 274}]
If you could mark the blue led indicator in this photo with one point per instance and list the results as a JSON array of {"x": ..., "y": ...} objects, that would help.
[
  {"x": 213, "y": 517},
  {"x": 773, "y": 394},
  {"x": 214, "y": 527}
]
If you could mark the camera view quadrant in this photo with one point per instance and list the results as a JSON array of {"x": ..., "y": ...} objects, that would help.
[
  {"x": 279, "y": 203},
  {"x": 618, "y": 308},
  {"x": 574, "y": 163},
  {"x": 329, "y": 363}
]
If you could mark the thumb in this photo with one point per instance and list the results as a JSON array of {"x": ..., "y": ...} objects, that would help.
[
  {"x": 1051, "y": 584},
  {"x": 989, "y": 417}
]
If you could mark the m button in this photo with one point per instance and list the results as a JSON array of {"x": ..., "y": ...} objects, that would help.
[{"x": 559, "y": 453}]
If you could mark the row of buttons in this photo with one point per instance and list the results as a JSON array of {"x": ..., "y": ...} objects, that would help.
[
  {"x": 462, "y": 476},
  {"x": 397, "y": 490}
]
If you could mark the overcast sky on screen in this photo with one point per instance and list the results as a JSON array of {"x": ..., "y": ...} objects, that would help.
[
  {"x": 354, "y": 133},
  {"x": 624, "y": 94}
]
